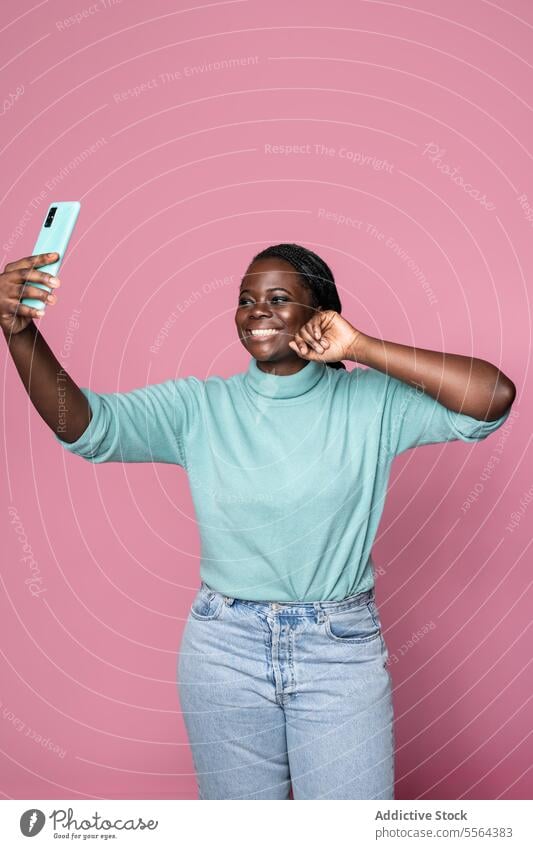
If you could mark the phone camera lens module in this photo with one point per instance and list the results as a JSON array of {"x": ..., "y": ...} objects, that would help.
[{"x": 50, "y": 217}]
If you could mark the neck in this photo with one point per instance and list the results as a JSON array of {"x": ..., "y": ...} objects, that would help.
[
  {"x": 274, "y": 386},
  {"x": 282, "y": 367}
]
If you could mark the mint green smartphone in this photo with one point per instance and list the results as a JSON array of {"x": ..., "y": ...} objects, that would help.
[{"x": 54, "y": 236}]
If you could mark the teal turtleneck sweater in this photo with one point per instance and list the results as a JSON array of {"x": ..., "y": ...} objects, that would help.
[{"x": 288, "y": 474}]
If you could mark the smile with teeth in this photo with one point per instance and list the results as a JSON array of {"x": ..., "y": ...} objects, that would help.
[{"x": 261, "y": 334}]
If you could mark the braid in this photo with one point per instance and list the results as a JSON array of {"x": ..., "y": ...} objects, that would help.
[{"x": 315, "y": 273}]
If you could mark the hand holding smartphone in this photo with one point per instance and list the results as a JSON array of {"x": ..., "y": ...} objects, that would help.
[{"x": 54, "y": 237}]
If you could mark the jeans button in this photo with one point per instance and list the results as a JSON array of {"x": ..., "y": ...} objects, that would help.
[{"x": 275, "y": 606}]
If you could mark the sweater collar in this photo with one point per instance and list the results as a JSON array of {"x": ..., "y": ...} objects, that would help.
[{"x": 284, "y": 386}]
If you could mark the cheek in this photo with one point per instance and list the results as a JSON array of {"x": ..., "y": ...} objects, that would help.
[
  {"x": 297, "y": 320},
  {"x": 292, "y": 316}
]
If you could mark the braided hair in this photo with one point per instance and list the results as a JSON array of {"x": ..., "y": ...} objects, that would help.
[{"x": 315, "y": 273}]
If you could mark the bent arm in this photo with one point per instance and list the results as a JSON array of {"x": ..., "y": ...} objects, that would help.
[
  {"x": 463, "y": 384},
  {"x": 53, "y": 393}
]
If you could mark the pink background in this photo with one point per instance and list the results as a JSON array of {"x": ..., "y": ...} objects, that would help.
[{"x": 178, "y": 191}]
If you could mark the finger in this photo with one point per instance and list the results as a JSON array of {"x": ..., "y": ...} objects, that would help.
[
  {"x": 23, "y": 274},
  {"x": 309, "y": 339},
  {"x": 315, "y": 325},
  {"x": 319, "y": 324},
  {"x": 300, "y": 342},
  {"x": 31, "y": 261},
  {"x": 307, "y": 353},
  {"x": 22, "y": 309},
  {"x": 26, "y": 291},
  {"x": 305, "y": 356},
  {"x": 299, "y": 346}
]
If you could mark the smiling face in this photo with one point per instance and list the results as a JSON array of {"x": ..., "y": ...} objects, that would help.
[{"x": 272, "y": 298}]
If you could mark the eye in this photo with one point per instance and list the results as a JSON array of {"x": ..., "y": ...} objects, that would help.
[{"x": 243, "y": 301}]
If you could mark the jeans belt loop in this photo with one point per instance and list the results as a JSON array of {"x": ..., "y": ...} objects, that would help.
[{"x": 320, "y": 614}]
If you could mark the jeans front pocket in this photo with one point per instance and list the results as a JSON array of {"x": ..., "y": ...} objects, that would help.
[
  {"x": 207, "y": 605},
  {"x": 356, "y": 624}
]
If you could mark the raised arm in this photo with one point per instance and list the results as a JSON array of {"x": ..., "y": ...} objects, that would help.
[
  {"x": 53, "y": 393},
  {"x": 146, "y": 425},
  {"x": 464, "y": 385}
]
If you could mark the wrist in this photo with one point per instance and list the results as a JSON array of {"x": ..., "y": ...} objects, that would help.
[
  {"x": 359, "y": 349},
  {"x": 29, "y": 330}
]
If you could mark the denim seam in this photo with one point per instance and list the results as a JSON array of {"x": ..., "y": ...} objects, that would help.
[
  {"x": 210, "y": 616},
  {"x": 353, "y": 640},
  {"x": 371, "y": 610},
  {"x": 356, "y": 640}
]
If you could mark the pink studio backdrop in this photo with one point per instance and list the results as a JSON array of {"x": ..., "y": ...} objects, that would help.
[{"x": 392, "y": 139}]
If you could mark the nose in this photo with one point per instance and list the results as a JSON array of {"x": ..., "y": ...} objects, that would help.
[{"x": 260, "y": 309}]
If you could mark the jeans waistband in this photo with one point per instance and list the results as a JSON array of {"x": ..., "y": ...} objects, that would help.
[{"x": 295, "y": 608}]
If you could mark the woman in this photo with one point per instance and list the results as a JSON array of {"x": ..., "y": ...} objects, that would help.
[{"x": 282, "y": 669}]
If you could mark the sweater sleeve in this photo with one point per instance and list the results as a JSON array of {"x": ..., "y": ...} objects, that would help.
[
  {"x": 147, "y": 425},
  {"x": 413, "y": 417}
]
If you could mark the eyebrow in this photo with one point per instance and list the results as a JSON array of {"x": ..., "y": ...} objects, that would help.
[{"x": 272, "y": 289}]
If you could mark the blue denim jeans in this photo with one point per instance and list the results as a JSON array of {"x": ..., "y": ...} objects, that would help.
[{"x": 281, "y": 694}]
